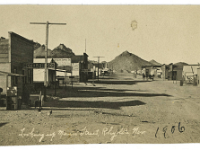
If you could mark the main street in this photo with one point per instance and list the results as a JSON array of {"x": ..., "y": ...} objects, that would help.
[{"x": 117, "y": 109}]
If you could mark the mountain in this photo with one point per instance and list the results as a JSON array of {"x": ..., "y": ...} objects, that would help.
[
  {"x": 62, "y": 51},
  {"x": 154, "y": 62},
  {"x": 127, "y": 61}
]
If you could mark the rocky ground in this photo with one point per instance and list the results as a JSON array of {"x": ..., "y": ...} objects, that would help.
[{"x": 118, "y": 109}]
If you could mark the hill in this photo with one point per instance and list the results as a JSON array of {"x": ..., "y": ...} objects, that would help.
[
  {"x": 154, "y": 62},
  {"x": 62, "y": 51},
  {"x": 128, "y": 62}
]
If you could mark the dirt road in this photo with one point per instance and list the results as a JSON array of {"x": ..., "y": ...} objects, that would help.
[{"x": 119, "y": 109}]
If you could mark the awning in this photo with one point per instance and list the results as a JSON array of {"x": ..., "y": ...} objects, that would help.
[
  {"x": 60, "y": 70},
  {"x": 105, "y": 69},
  {"x": 67, "y": 69},
  {"x": 11, "y": 74}
]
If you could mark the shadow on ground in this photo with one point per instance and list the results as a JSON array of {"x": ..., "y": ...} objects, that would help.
[
  {"x": 118, "y": 82},
  {"x": 93, "y": 104},
  {"x": 2, "y": 124},
  {"x": 100, "y": 92}
]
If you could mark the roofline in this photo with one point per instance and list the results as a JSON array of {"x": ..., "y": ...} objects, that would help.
[
  {"x": 193, "y": 65},
  {"x": 152, "y": 66},
  {"x": 30, "y": 41}
]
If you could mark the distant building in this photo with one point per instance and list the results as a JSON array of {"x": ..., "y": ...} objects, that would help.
[
  {"x": 173, "y": 71},
  {"x": 61, "y": 51},
  {"x": 94, "y": 67},
  {"x": 39, "y": 52},
  {"x": 190, "y": 72},
  {"x": 164, "y": 69},
  {"x": 105, "y": 64},
  {"x": 67, "y": 64},
  {"x": 178, "y": 70},
  {"x": 151, "y": 70}
]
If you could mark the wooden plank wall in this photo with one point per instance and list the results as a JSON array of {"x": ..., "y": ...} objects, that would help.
[{"x": 3, "y": 50}]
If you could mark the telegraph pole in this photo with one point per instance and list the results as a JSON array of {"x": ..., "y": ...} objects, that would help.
[
  {"x": 98, "y": 63},
  {"x": 46, "y": 50},
  {"x": 85, "y": 45}
]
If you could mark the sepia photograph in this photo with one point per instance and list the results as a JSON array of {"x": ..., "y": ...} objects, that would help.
[{"x": 99, "y": 74}]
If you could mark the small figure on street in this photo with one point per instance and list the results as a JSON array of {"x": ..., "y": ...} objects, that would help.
[
  {"x": 143, "y": 75},
  {"x": 39, "y": 109},
  {"x": 50, "y": 113},
  {"x": 37, "y": 104}
]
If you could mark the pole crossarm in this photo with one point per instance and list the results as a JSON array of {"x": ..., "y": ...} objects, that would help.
[
  {"x": 98, "y": 63},
  {"x": 47, "y": 23}
]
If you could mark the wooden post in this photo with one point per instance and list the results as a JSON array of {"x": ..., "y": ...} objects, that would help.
[
  {"x": 55, "y": 88},
  {"x": 40, "y": 98}
]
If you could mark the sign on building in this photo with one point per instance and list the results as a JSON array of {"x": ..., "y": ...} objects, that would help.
[
  {"x": 75, "y": 66},
  {"x": 75, "y": 69},
  {"x": 39, "y": 65},
  {"x": 38, "y": 75},
  {"x": 41, "y": 60},
  {"x": 62, "y": 61}
]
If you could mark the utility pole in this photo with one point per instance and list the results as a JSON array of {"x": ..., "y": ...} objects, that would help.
[
  {"x": 98, "y": 63},
  {"x": 46, "y": 50},
  {"x": 85, "y": 45}
]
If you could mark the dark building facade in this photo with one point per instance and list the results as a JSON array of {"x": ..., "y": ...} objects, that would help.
[
  {"x": 82, "y": 62},
  {"x": 14, "y": 53}
]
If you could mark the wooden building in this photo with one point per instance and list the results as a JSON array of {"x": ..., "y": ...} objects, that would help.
[
  {"x": 190, "y": 73},
  {"x": 14, "y": 53},
  {"x": 151, "y": 70},
  {"x": 175, "y": 71},
  {"x": 65, "y": 67},
  {"x": 80, "y": 67}
]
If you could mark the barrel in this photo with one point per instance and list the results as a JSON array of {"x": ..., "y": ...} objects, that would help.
[
  {"x": 181, "y": 82},
  {"x": 195, "y": 81}
]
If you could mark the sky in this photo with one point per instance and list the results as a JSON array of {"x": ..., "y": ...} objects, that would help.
[{"x": 165, "y": 33}]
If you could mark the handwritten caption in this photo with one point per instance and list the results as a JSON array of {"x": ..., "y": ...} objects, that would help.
[
  {"x": 164, "y": 130},
  {"x": 84, "y": 132}
]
